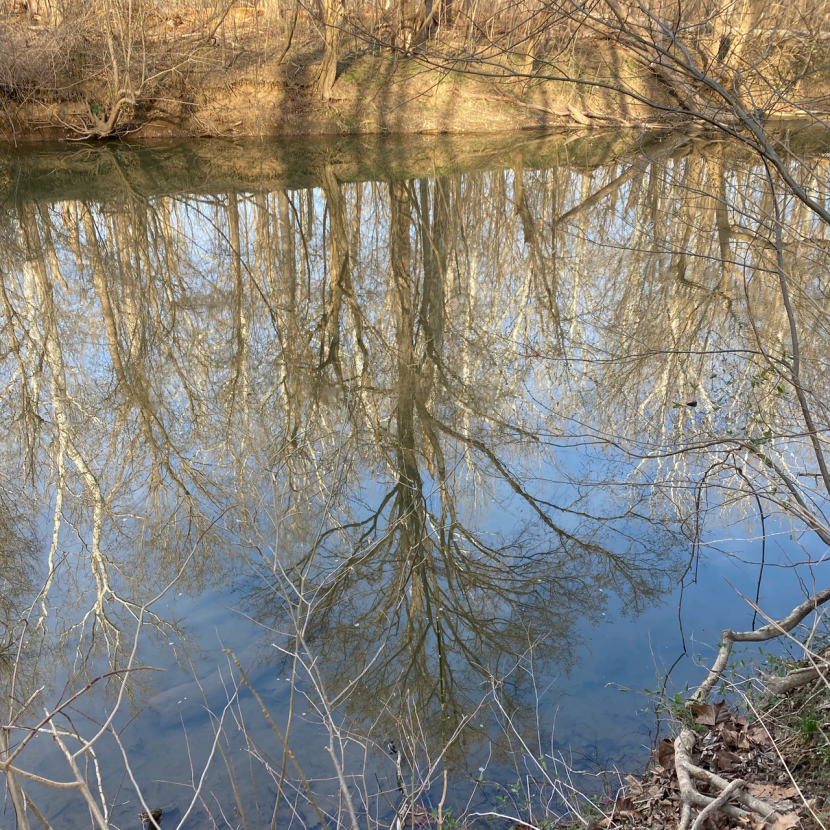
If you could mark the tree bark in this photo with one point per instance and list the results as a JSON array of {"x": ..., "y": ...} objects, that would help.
[{"x": 332, "y": 14}]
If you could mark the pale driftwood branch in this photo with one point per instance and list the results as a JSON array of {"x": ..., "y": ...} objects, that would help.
[
  {"x": 766, "y": 632},
  {"x": 683, "y": 745},
  {"x": 756, "y": 805},
  {"x": 97, "y": 816},
  {"x": 39, "y": 779},
  {"x": 7, "y": 760},
  {"x": 718, "y": 803},
  {"x": 800, "y": 677},
  {"x": 716, "y": 671},
  {"x": 16, "y": 794},
  {"x": 687, "y": 771},
  {"x": 37, "y": 814},
  {"x": 344, "y": 788}
]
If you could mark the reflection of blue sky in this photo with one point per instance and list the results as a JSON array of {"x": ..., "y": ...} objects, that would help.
[
  {"x": 613, "y": 647},
  {"x": 592, "y": 716},
  {"x": 595, "y": 720}
]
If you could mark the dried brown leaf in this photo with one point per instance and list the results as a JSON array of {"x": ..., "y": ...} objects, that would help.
[
  {"x": 634, "y": 785},
  {"x": 725, "y": 761},
  {"x": 787, "y": 821},
  {"x": 757, "y": 734},
  {"x": 730, "y": 737},
  {"x": 665, "y": 754},
  {"x": 707, "y": 714},
  {"x": 773, "y": 792},
  {"x": 626, "y": 808},
  {"x": 722, "y": 714},
  {"x": 704, "y": 713}
]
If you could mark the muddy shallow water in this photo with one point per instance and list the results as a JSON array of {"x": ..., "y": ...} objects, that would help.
[{"x": 417, "y": 442}]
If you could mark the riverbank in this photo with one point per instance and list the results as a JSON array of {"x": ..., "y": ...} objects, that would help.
[
  {"x": 253, "y": 95},
  {"x": 760, "y": 761},
  {"x": 263, "y": 80}
]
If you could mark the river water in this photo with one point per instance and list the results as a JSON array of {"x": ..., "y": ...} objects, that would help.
[{"x": 376, "y": 440}]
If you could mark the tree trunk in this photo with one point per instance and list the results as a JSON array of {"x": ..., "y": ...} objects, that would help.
[{"x": 332, "y": 19}]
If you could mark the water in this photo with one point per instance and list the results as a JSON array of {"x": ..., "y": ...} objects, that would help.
[{"x": 415, "y": 413}]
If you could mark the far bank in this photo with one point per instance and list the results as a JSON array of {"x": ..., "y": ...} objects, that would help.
[{"x": 78, "y": 72}]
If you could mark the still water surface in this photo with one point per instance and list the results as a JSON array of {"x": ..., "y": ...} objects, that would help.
[{"x": 396, "y": 426}]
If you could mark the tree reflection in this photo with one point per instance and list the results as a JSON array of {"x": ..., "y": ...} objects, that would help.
[{"x": 451, "y": 404}]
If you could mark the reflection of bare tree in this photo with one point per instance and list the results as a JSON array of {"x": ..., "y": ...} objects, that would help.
[
  {"x": 315, "y": 287},
  {"x": 451, "y": 602},
  {"x": 17, "y": 572},
  {"x": 375, "y": 372},
  {"x": 61, "y": 404}
]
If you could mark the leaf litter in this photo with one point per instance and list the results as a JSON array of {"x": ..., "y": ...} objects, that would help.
[{"x": 730, "y": 746}]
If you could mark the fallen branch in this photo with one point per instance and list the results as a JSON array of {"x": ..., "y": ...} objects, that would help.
[
  {"x": 799, "y": 677},
  {"x": 683, "y": 745},
  {"x": 767, "y": 632},
  {"x": 718, "y": 803},
  {"x": 729, "y": 790}
]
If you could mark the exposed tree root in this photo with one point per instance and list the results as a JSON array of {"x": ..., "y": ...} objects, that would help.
[
  {"x": 730, "y": 776},
  {"x": 718, "y": 804},
  {"x": 733, "y": 798},
  {"x": 97, "y": 127},
  {"x": 729, "y": 790}
]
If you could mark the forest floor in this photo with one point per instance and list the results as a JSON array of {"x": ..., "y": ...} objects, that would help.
[{"x": 779, "y": 746}]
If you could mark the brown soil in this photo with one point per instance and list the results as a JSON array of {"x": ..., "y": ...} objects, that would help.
[{"x": 372, "y": 95}]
